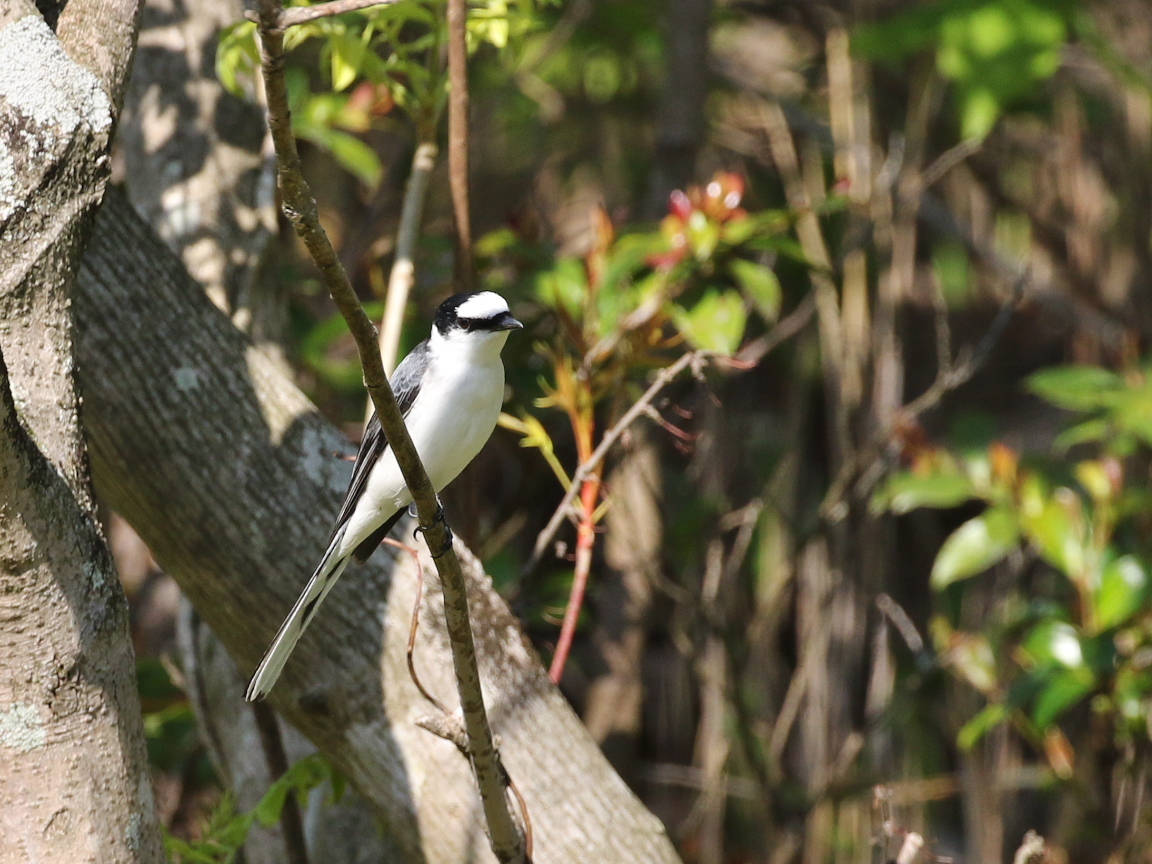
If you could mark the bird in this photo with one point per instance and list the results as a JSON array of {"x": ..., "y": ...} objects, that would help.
[{"x": 449, "y": 390}]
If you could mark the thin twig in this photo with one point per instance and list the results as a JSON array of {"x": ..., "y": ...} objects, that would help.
[
  {"x": 797, "y": 320},
  {"x": 948, "y": 160},
  {"x": 867, "y": 468},
  {"x": 585, "y": 540},
  {"x": 414, "y": 626},
  {"x": 273, "y": 746},
  {"x": 753, "y": 353},
  {"x": 303, "y": 14},
  {"x": 300, "y": 207},
  {"x": 527, "y": 819},
  {"x": 458, "y": 138},
  {"x": 665, "y": 377}
]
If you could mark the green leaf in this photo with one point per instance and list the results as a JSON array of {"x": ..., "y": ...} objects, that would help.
[
  {"x": 564, "y": 287},
  {"x": 1076, "y": 388},
  {"x": 352, "y": 153},
  {"x": 1082, "y": 433},
  {"x": 703, "y": 235},
  {"x": 301, "y": 778},
  {"x": 975, "y": 546},
  {"x": 1054, "y": 643},
  {"x": 760, "y": 286},
  {"x": 347, "y": 58},
  {"x": 343, "y": 373},
  {"x": 1058, "y": 532},
  {"x": 236, "y": 54},
  {"x": 980, "y": 725},
  {"x": 1123, "y": 588},
  {"x": 905, "y": 492},
  {"x": 1063, "y": 690},
  {"x": 716, "y": 323}
]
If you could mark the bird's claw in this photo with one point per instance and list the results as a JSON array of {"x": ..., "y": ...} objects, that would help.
[{"x": 437, "y": 518}]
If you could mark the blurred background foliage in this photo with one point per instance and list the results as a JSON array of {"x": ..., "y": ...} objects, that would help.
[{"x": 878, "y": 563}]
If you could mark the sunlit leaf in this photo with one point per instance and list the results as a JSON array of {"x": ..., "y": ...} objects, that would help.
[
  {"x": 906, "y": 491},
  {"x": 1089, "y": 431},
  {"x": 533, "y": 434},
  {"x": 715, "y": 323},
  {"x": 347, "y": 56},
  {"x": 338, "y": 371},
  {"x": 703, "y": 234},
  {"x": 980, "y": 725},
  {"x": 1058, "y": 532},
  {"x": 975, "y": 546},
  {"x": 1123, "y": 589},
  {"x": 1076, "y": 388},
  {"x": 565, "y": 286},
  {"x": 971, "y": 657},
  {"x": 994, "y": 52},
  {"x": 236, "y": 55},
  {"x": 352, "y": 153},
  {"x": 1054, "y": 643},
  {"x": 300, "y": 778},
  {"x": 760, "y": 286}
]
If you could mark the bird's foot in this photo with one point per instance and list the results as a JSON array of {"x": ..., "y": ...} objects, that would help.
[{"x": 445, "y": 543}]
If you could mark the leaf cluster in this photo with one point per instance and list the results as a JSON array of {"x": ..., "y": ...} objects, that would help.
[{"x": 1086, "y": 639}]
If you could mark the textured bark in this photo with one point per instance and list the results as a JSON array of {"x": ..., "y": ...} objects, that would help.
[
  {"x": 74, "y": 783},
  {"x": 200, "y": 176},
  {"x": 193, "y": 161},
  {"x": 231, "y": 478}
]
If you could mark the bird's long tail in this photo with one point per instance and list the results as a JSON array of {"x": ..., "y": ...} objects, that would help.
[{"x": 298, "y": 620}]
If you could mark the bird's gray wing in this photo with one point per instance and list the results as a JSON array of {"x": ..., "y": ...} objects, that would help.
[{"x": 406, "y": 386}]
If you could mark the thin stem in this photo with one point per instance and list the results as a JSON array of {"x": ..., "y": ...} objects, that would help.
[
  {"x": 585, "y": 541},
  {"x": 403, "y": 274},
  {"x": 783, "y": 331},
  {"x": 300, "y": 207},
  {"x": 274, "y": 755},
  {"x": 589, "y": 465},
  {"x": 458, "y": 138},
  {"x": 303, "y": 14}
]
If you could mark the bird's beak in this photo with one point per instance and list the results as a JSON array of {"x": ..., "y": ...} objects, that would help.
[{"x": 507, "y": 322}]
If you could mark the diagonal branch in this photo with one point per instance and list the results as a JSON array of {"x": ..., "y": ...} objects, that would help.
[
  {"x": 663, "y": 379},
  {"x": 300, "y": 208},
  {"x": 752, "y": 354}
]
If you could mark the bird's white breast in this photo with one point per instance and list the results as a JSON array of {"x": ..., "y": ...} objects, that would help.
[{"x": 450, "y": 421}]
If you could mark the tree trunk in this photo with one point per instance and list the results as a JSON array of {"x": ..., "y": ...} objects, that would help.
[
  {"x": 230, "y": 476},
  {"x": 74, "y": 783}
]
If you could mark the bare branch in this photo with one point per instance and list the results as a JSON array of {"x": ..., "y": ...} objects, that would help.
[
  {"x": 948, "y": 160},
  {"x": 867, "y": 468},
  {"x": 303, "y": 14},
  {"x": 750, "y": 355},
  {"x": 458, "y": 138},
  {"x": 663, "y": 379},
  {"x": 300, "y": 208}
]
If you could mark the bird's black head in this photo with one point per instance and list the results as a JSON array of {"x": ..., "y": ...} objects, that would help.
[{"x": 483, "y": 311}]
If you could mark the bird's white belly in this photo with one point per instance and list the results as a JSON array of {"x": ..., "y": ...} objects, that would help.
[{"x": 449, "y": 424}]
